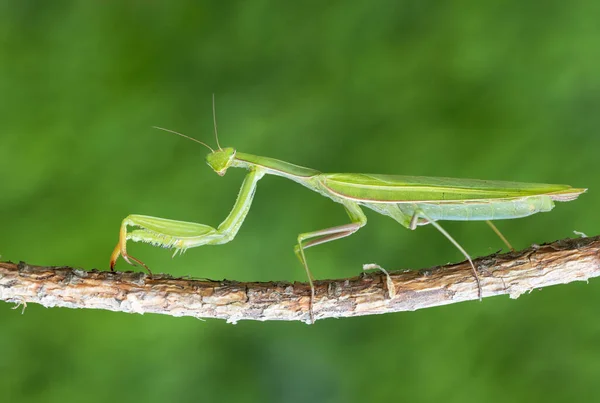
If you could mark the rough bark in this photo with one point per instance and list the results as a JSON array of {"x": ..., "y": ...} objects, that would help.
[{"x": 368, "y": 294}]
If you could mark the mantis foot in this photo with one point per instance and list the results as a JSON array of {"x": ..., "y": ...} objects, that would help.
[{"x": 121, "y": 250}]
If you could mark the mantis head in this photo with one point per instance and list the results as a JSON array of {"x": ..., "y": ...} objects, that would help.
[{"x": 220, "y": 160}]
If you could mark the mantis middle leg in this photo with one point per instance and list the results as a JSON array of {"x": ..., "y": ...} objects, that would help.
[{"x": 358, "y": 219}]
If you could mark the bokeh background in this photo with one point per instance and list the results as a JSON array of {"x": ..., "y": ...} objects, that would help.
[{"x": 493, "y": 90}]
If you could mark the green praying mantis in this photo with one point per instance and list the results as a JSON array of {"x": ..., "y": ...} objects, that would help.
[{"x": 410, "y": 200}]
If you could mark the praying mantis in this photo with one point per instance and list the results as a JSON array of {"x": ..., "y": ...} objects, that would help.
[{"x": 410, "y": 200}]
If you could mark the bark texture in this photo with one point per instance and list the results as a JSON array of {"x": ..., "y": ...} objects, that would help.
[{"x": 368, "y": 294}]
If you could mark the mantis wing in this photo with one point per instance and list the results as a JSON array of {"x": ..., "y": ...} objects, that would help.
[
  {"x": 423, "y": 189},
  {"x": 401, "y": 197}
]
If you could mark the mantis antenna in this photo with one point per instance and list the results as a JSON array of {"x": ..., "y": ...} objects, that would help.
[
  {"x": 187, "y": 137},
  {"x": 215, "y": 121}
]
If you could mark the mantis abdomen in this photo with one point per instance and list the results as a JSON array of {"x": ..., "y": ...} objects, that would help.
[{"x": 481, "y": 210}]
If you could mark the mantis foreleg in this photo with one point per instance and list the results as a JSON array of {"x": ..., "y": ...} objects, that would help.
[{"x": 182, "y": 235}]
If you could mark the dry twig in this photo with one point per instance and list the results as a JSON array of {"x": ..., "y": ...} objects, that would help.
[{"x": 368, "y": 294}]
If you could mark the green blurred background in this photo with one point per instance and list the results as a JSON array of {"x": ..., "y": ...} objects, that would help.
[{"x": 493, "y": 90}]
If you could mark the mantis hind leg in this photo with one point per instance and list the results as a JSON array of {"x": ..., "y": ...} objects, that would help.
[
  {"x": 327, "y": 235},
  {"x": 413, "y": 224},
  {"x": 497, "y": 231}
]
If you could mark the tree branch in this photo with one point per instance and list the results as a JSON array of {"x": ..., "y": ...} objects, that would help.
[{"x": 368, "y": 294}]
